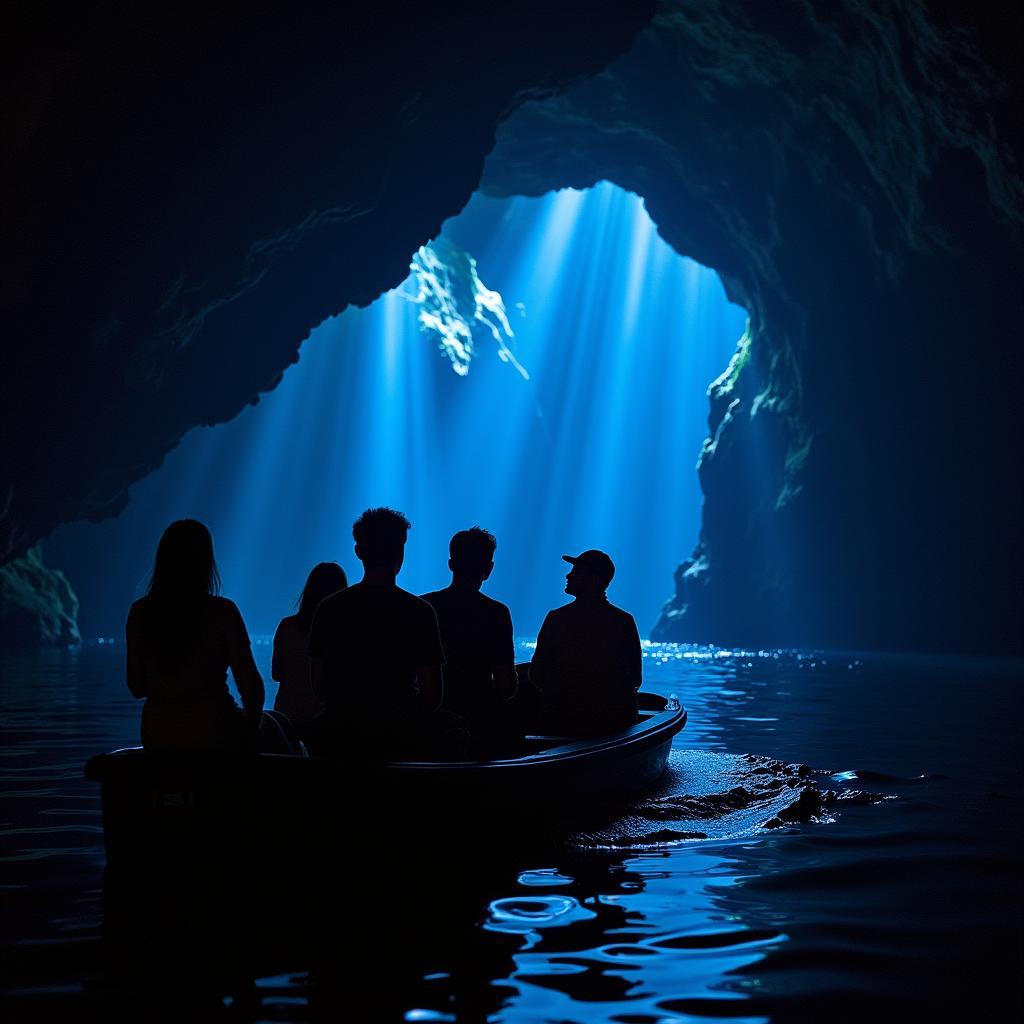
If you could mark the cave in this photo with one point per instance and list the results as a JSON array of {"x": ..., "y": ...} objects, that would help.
[
  {"x": 188, "y": 198},
  {"x": 542, "y": 370},
  {"x": 219, "y": 219}
]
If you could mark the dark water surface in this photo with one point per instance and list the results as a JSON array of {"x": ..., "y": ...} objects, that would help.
[{"x": 837, "y": 838}]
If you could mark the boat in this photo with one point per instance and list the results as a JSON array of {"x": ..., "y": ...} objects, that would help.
[{"x": 197, "y": 804}]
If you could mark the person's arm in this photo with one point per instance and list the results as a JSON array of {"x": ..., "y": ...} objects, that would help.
[
  {"x": 317, "y": 663},
  {"x": 277, "y": 659},
  {"x": 506, "y": 682},
  {"x": 429, "y": 659},
  {"x": 318, "y": 678},
  {"x": 505, "y": 679},
  {"x": 428, "y": 682},
  {"x": 541, "y": 654},
  {"x": 135, "y": 668},
  {"x": 636, "y": 655},
  {"x": 243, "y": 668}
]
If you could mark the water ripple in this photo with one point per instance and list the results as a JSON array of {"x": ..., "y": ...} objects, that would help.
[{"x": 519, "y": 914}]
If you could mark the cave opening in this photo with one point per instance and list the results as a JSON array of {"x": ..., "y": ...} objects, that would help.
[{"x": 567, "y": 414}]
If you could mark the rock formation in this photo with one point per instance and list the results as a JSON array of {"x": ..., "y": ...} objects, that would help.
[
  {"x": 189, "y": 194},
  {"x": 37, "y": 604},
  {"x": 852, "y": 174}
]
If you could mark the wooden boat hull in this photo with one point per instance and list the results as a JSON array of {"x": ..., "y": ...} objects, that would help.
[{"x": 187, "y": 808}]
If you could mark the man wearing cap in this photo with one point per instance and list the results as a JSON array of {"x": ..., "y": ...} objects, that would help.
[{"x": 587, "y": 665}]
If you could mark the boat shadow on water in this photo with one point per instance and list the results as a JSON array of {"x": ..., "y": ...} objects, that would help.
[
  {"x": 365, "y": 883},
  {"x": 233, "y": 884},
  {"x": 392, "y": 920}
]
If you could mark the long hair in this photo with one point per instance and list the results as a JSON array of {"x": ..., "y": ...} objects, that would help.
[
  {"x": 184, "y": 575},
  {"x": 324, "y": 579},
  {"x": 184, "y": 566}
]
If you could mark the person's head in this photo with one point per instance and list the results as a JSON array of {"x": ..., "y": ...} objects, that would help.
[
  {"x": 472, "y": 554},
  {"x": 590, "y": 574},
  {"x": 184, "y": 574},
  {"x": 184, "y": 566},
  {"x": 324, "y": 579},
  {"x": 380, "y": 535}
]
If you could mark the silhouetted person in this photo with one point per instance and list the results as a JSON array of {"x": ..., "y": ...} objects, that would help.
[
  {"x": 588, "y": 661},
  {"x": 476, "y": 633},
  {"x": 290, "y": 665},
  {"x": 181, "y": 640},
  {"x": 375, "y": 651}
]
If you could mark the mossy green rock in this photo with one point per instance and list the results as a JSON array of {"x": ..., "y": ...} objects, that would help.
[{"x": 37, "y": 604}]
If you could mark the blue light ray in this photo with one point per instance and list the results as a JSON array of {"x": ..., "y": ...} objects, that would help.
[{"x": 597, "y": 449}]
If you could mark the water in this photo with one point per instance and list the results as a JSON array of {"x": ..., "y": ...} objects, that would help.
[{"x": 899, "y": 894}]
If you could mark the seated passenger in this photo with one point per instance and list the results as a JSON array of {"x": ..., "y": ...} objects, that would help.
[
  {"x": 375, "y": 653},
  {"x": 290, "y": 665},
  {"x": 476, "y": 633},
  {"x": 587, "y": 665},
  {"x": 181, "y": 639}
]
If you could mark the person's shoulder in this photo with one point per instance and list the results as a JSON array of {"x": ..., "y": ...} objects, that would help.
[
  {"x": 407, "y": 603},
  {"x": 135, "y": 613},
  {"x": 563, "y": 611},
  {"x": 496, "y": 608},
  {"x": 222, "y": 609},
  {"x": 331, "y": 607},
  {"x": 222, "y": 614},
  {"x": 338, "y": 599},
  {"x": 406, "y": 597},
  {"x": 621, "y": 615},
  {"x": 434, "y": 597},
  {"x": 289, "y": 624},
  {"x": 222, "y": 605}
]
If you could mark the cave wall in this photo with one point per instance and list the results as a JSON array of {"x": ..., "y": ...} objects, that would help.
[
  {"x": 188, "y": 193},
  {"x": 37, "y": 605},
  {"x": 190, "y": 190},
  {"x": 853, "y": 175}
]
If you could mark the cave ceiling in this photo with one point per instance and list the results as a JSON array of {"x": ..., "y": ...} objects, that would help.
[{"x": 188, "y": 193}]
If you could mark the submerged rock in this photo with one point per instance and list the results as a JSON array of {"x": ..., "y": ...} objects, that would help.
[{"x": 710, "y": 795}]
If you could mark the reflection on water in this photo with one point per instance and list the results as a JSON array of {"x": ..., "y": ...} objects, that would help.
[{"x": 836, "y": 838}]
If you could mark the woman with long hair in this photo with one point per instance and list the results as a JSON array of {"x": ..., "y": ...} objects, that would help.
[
  {"x": 182, "y": 638},
  {"x": 290, "y": 666}
]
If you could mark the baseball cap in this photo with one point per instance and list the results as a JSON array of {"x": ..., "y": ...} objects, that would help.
[{"x": 596, "y": 562}]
